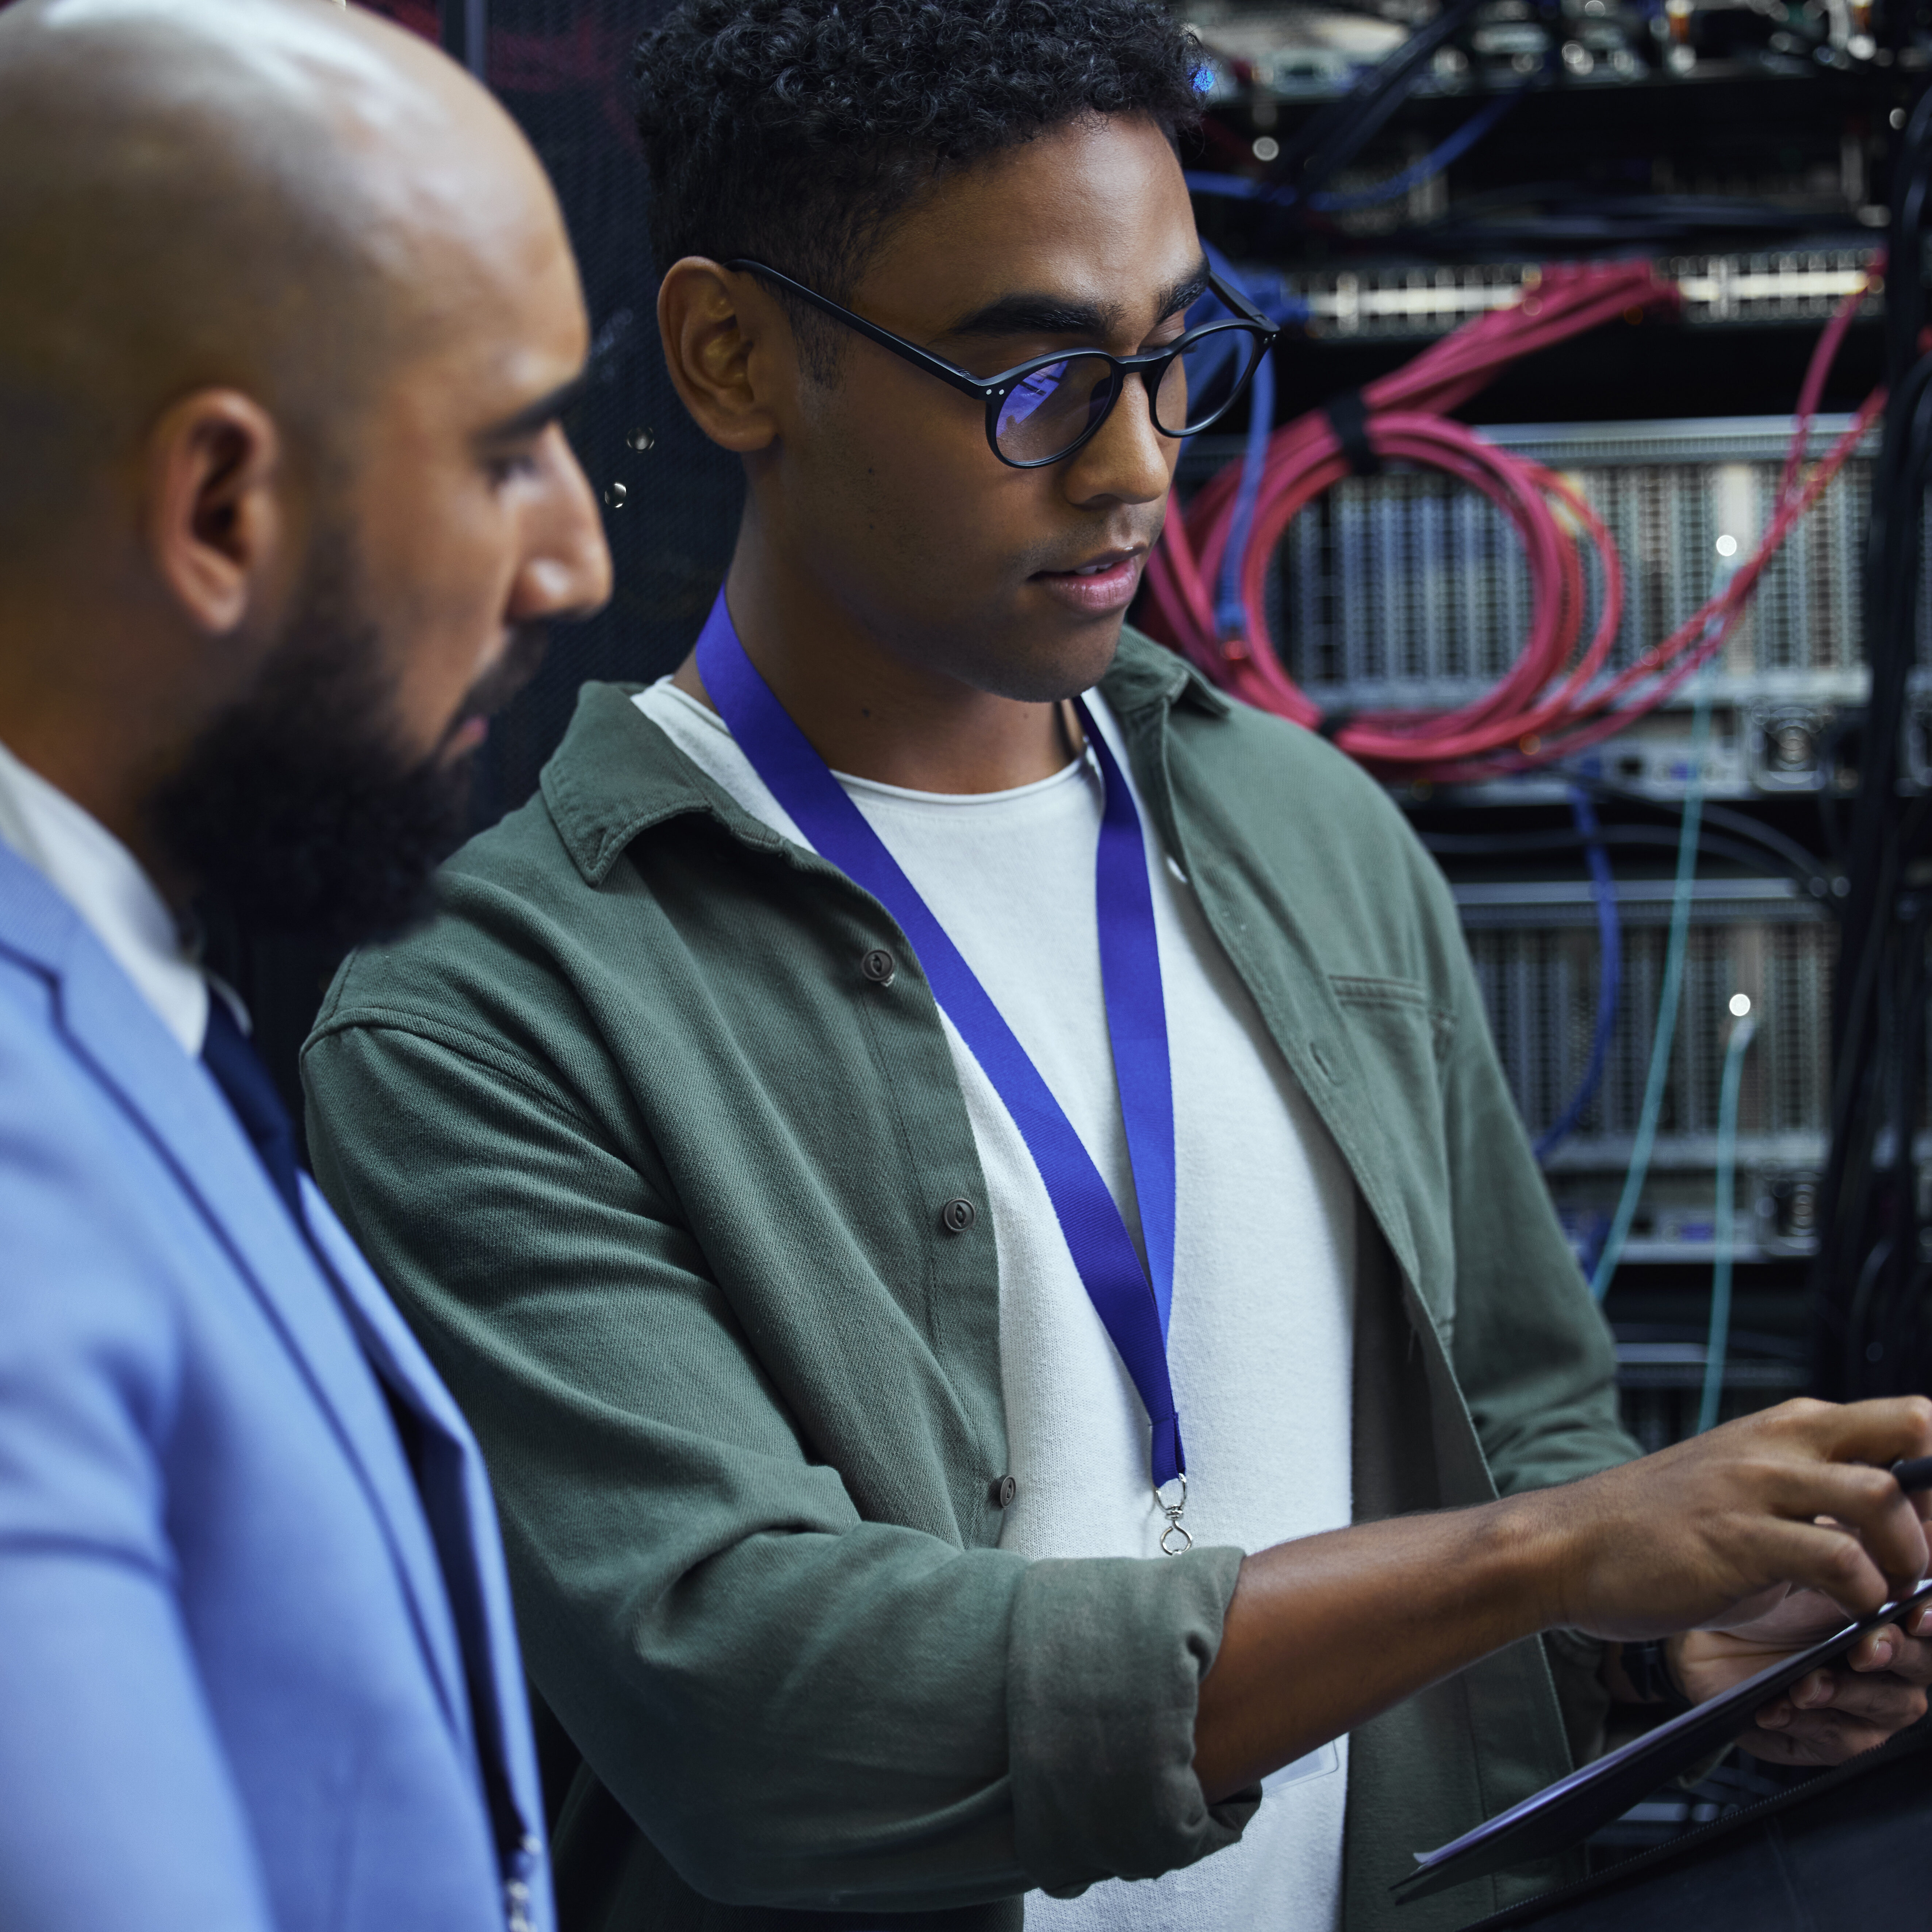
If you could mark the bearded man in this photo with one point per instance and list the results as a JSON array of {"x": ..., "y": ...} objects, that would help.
[{"x": 287, "y": 316}]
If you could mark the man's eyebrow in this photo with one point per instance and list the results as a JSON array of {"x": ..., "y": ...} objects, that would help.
[
  {"x": 1026, "y": 313},
  {"x": 1179, "y": 297},
  {"x": 540, "y": 414}
]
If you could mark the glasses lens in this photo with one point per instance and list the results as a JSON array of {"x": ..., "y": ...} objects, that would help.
[
  {"x": 1205, "y": 378},
  {"x": 1050, "y": 410}
]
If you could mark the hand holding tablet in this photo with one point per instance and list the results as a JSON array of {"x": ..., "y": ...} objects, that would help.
[{"x": 1563, "y": 1812}]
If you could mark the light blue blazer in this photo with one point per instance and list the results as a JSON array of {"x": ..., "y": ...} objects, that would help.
[{"x": 236, "y": 1682}]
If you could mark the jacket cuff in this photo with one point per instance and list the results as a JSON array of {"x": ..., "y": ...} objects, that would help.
[
  {"x": 1104, "y": 1676},
  {"x": 1576, "y": 1663}
]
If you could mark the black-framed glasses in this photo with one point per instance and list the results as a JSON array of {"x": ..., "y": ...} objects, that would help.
[{"x": 1043, "y": 410}]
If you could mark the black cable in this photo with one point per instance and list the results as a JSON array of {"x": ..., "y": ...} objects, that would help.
[
  {"x": 1905, "y": 293},
  {"x": 1562, "y": 839},
  {"x": 1872, "y": 871},
  {"x": 1901, "y": 1372},
  {"x": 1879, "y": 1358},
  {"x": 1801, "y": 865},
  {"x": 1867, "y": 1273},
  {"x": 1846, "y": 1243},
  {"x": 1828, "y": 823},
  {"x": 1553, "y": 212},
  {"x": 1858, "y": 1318},
  {"x": 1327, "y": 141}
]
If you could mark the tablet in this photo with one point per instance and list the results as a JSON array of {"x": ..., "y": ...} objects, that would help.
[{"x": 1562, "y": 1813}]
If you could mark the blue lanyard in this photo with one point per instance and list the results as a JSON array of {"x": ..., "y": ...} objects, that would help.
[{"x": 1133, "y": 1303}]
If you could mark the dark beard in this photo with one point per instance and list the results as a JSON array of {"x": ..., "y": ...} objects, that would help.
[{"x": 295, "y": 813}]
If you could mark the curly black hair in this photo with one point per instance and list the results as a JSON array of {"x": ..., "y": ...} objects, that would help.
[{"x": 794, "y": 131}]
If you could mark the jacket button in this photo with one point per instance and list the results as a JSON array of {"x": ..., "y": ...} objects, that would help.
[
  {"x": 956, "y": 1217},
  {"x": 1004, "y": 1490},
  {"x": 879, "y": 966}
]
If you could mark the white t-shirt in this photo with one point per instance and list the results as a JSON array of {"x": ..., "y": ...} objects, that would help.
[{"x": 1261, "y": 1337}]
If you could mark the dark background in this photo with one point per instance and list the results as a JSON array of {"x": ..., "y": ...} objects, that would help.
[{"x": 562, "y": 68}]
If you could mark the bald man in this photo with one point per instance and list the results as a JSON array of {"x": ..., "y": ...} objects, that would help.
[{"x": 286, "y": 318}]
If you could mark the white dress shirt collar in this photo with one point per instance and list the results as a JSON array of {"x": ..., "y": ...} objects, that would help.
[{"x": 104, "y": 883}]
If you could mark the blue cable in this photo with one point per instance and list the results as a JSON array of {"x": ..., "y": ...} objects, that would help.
[
  {"x": 1449, "y": 150},
  {"x": 1718, "y": 1343},
  {"x": 1609, "y": 972},
  {"x": 1230, "y": 617},
  {"x": 1667, "y": 1005},
  {"x": 1278, "y": 308},
  {"x": 1234, "y": 187}
]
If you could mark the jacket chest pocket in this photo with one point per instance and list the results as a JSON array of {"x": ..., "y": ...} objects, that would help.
[{"x": 1401, "y": 1042}]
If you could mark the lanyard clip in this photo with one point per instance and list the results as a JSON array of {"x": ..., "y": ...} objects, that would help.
[{"x": 1175, "y": 1529}]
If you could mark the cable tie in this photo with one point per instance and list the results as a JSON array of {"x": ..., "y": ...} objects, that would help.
[{"x": 1349, "y": 418}]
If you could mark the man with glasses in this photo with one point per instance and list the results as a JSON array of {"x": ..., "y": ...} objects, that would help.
[{"x": 961, "y": 1178}]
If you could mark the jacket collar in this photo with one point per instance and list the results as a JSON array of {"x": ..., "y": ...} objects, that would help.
[
  {"x": 616, "y": 774},
  {"x": 1145, "y": 676},
  {"x": 176, "y": 1106}
]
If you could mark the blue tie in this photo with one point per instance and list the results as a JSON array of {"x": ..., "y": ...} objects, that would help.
[{"x": 238, "y": 1072}]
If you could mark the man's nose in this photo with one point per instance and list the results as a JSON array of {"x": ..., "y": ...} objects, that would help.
[
  {"x": 1128, "y": 460},
  {"x": 566, "y": 571}
]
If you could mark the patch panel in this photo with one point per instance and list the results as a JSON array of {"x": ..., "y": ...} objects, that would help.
[
  {"x": 1415, "y": 301},
  {"x": 1405, "y": 590},
  {"x": 1535, "y": 946}
]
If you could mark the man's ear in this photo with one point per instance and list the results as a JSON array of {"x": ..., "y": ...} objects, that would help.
[
  {"x": 725, "y": 340},
  {"x": 215, "y": 520}
]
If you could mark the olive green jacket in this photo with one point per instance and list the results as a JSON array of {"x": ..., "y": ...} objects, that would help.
[{"x": 656, "y": 1171}]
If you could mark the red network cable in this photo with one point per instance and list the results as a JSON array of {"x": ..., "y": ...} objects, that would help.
[{"x": 1549, "y": 703}]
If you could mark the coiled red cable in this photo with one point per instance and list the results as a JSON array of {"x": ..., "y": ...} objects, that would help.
[{"x": 1551, "y": 702}]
